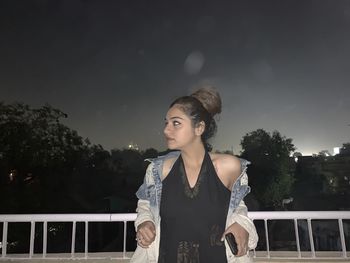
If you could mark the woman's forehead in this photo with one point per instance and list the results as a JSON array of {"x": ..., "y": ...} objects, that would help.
[{"x": 176, "y": 111}]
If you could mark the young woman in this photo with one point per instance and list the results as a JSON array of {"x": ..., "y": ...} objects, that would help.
[{"x": 191, "y": 198}]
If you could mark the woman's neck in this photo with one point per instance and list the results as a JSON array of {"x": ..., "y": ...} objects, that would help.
[{"x": 193, "y": 156}]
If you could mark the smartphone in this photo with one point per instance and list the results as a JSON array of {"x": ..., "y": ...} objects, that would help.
[{"x": 232, "y": 243}]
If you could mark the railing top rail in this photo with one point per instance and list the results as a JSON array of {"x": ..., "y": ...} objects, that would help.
[
  {"x": 68, "y": 217},
  {"x": 259, "y": 215},
  {"x": 276, "y": 215}
]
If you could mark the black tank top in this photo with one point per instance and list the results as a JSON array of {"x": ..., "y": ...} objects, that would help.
[{"x": 193, "y": 219}]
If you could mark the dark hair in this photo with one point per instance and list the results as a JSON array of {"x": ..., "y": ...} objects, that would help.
[{"x": 202, "y": 105}]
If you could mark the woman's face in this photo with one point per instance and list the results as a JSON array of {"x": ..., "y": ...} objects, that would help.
[{"x": 179, "y": 131}]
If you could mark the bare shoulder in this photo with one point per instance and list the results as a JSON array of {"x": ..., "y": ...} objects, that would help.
[
  {"x": 167, "y": 165},
  {"x": 227, "y": 166}
]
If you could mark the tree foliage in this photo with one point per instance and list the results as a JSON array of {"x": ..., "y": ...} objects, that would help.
[
  {"x": 47, "y": 167},
  {"x": 270, "y": 173},
  {"x": 345, "y": 149},
  {"x": 39, "y": 157}
]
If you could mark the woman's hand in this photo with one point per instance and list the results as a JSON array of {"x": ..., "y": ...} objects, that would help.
[
  {"x": 146, "y": 233},
  {"x": 241, "y": 237}
]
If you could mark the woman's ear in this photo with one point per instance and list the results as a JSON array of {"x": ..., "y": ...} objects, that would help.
[{"x": 200, "y": 128}]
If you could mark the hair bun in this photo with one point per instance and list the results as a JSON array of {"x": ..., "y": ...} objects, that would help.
[{"x": 209, "y": 98}]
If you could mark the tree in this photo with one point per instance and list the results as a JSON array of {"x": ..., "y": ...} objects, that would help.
[
  {"x": 297, "y": 154},
  {"x": 345, "y": 149},
  {"x": 46, "y": 167},
  {"x": 150, "y": 153},
  {"x": 324, "y": 153},
  {"x": 38, "y": 155},
  {"x": 271, "y": 172}
]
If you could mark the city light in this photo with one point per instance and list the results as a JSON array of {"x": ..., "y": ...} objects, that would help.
[{"x": 336, "y": 150}]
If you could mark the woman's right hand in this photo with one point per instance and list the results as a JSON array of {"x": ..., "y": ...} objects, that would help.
[{"x": 146, "y": 233}]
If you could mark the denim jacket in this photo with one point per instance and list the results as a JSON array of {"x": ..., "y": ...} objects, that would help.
[{"x": 149, "y": 195}]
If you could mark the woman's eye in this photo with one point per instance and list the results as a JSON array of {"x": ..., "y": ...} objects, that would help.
[{"x": 175, "y": 123}]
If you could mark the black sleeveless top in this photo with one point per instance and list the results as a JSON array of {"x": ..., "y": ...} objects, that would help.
[{"x": 193, "y": 219}]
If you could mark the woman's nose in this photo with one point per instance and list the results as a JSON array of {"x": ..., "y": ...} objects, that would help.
[{"x": 166, "y": 130}]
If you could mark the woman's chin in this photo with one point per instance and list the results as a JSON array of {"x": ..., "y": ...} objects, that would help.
[{"x": 171, "y": 146}]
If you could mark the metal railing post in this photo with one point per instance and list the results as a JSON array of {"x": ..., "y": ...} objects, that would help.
[
  {"x": 297, "y": 236},
  {"x": 312, "y": 245},
  {"x": 44, "y": 239},
  {"x": 32, "y": 237},
  {"x": 72, "y": 251},
  {"x": 86, "y": 238},
  {"x": 124, "y": 239},
  {"x": 342, "y": 237},
  {"x": 4, "y": 239},
  {"x": 267, "y": 238}
]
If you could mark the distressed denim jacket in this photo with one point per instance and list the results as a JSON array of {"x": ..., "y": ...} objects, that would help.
[{"x": 149, "y": 195}]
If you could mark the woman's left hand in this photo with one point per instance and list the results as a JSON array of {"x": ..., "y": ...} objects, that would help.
[{"x": 241, "y": 237}]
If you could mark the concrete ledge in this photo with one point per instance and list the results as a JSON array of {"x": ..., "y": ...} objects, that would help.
[
  {"x": 117, "y": 257},
  {"x": 106, "y": 257},
  {"x": 306, "y": 256}
]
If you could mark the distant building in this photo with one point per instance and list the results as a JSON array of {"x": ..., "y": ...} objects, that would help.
[{"x": 333, "y": 171}]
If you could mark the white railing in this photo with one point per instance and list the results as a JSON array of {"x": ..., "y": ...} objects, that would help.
[
  {"x": 308, "y": 216},
  {"x": 125, "y": 218},
  {"x": 72, "y": 218}
]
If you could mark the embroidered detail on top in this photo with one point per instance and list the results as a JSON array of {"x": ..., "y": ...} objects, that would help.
[
  {"x": 215, "y": 236},
  {"x": 188, "y": 252},
  {"x": 191, "y": 192}
]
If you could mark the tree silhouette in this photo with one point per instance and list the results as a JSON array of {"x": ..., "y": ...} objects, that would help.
[
  {"x": 46, "y": 167},
  {"x": 345, "y": 149},
  {"x": 270, "y": 173},
  {"x": 38, "y": 158}
]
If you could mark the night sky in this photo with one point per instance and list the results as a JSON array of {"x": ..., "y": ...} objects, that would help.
[{"x": 115, "y": 66}]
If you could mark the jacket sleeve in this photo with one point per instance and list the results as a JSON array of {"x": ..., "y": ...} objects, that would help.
[
  {"x": 144, "y": 193},
  {"x": 240, "y": 213},
  {"x": 240, "y": 216}
]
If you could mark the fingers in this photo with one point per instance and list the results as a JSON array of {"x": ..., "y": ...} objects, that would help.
[
  {"x": 141, "y": 242},
  {"x": 242, "y": 248},
  {"x": 144, "y": 242},
  {"x": 146, "y": 235},
  {"x": 242, "y": 245},
  {"x": 241, "y": 238}
]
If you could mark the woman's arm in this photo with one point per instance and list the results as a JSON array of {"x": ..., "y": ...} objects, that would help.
[
  {"x": 143, "y": 213},
  {"x": 240, "y": 225},
  {"x": 246, "y": 232},
  {"x": 144, "y": 223}
]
